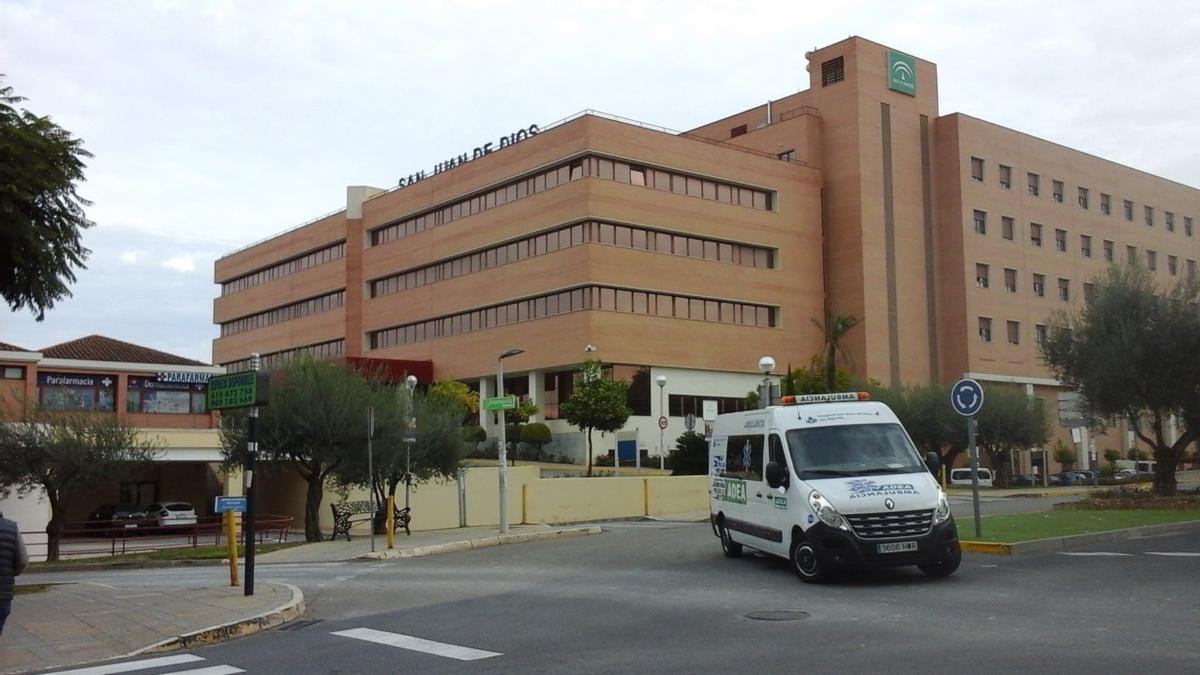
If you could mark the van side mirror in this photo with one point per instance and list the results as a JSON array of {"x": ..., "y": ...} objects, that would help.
[
  {"x": 933, "y": 462},
  {"x": 777, "y": 474}
]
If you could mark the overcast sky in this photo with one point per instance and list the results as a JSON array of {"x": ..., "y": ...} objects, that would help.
[{"x": 216, "y": 124}]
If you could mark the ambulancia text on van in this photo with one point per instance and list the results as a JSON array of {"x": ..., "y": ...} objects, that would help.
[{"x": 828, "y": 481}]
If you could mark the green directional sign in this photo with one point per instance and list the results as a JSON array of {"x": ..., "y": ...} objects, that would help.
[
  {"x": 902, "y": 73},
  {"x": 500, "y": 403},
  {"x": 237, "y": 390}
]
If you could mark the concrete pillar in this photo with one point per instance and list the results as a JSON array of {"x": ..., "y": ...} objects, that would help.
[{"x": 537, "y": 394}]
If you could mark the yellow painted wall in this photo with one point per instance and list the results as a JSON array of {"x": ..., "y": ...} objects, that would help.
[
  {"x": 676, "y": 494},
  {"x": 565, "y": 500}
]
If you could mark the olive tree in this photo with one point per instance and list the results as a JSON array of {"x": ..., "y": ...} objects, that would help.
[{"x": 1133, "y": 352}]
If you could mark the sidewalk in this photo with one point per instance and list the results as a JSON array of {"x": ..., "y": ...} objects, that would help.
[
  {"x": 82, "y": 622},
  {"x": 419, "y": 543}
]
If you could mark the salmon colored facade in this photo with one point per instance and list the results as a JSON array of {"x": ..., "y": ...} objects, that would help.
[{"x": 690, "y": 255}]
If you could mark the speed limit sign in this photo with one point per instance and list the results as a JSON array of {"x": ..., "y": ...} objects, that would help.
[{"x": 662, "y": 422}]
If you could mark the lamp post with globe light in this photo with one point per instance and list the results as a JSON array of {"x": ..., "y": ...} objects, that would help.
[{"x": 662, "y": 430}]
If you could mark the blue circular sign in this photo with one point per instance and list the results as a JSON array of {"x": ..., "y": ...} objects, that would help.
[{"x": 966, "y": 397}]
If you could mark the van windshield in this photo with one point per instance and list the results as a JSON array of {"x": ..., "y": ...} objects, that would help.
[{"x": 852, "y": 450}]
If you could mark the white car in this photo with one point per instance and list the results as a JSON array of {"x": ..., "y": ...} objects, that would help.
[
  {"x": 171, "y": 514},
  {"x": 963, "y": 477}
]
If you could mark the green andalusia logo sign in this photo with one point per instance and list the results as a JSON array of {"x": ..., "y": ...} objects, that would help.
[{"x": 902, "y": 73}]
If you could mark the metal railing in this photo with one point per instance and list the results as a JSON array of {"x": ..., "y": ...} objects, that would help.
[{"x": 89, "y": 539}]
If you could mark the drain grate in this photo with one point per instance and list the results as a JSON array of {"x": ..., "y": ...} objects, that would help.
[
  {"x": 299, "y": 625},
  {"x": 778, "y": 615}
]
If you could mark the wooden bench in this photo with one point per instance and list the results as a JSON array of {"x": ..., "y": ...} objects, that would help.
[{"x": 346, "y": 514}]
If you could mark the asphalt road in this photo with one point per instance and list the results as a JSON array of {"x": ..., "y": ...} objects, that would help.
[{"x": 659, "y": 597}]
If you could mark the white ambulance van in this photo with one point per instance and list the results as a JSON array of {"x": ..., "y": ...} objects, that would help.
[{"x": 828, "y": 481}]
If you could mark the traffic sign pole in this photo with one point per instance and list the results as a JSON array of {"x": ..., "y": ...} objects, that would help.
[
  {"x": 231, "y": 538},
  {"x": 251, "y": 460},
  {"x": 966, "y": 397}
]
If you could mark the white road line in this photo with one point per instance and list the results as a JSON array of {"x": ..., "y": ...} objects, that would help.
[
  {"x": 417, "y": 644},
  {"x": 1180, "y": 554},
  {"x": 1096, "y": 554},
  {"x": 130, "y": 666},
  {"x": 211, "y": 670}
]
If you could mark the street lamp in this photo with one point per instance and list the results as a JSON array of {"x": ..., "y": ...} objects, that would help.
[
  {"x": 766, "y": 364},
  {"x": 662, "y": 412},
  {"x": 502, "y": 451},
  {"x": 409, "y": 438}
]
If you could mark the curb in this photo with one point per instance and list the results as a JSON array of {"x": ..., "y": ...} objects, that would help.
[
  {"x": 1072, "y": 541},
  {"x": 484, "y": 542},
  {"x": 233, "y": 629},
  {"x": 131, "y": 565}
]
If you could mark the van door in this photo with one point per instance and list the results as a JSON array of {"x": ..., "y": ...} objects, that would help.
[
  {"x": 748, "y": 502},
  {"x": 779, "y": 509}
]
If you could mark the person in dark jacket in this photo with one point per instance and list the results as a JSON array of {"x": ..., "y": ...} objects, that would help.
[{"x": 13, "y": 559}]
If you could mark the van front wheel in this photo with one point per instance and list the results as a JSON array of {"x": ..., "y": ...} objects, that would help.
[
  {"x": 806, "y": 564},
  {"x": 946, "y": 566},
  {"x": 729, "y": 547}
]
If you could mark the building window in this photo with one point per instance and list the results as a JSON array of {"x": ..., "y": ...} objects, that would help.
[
  {"x": 1191, "y": 269},
  {"x": 1187, "y": 225},
  {"x": 1083, "y": 198},
  {"x": 1064, "y": 289},
  {"x": 1149, "y": 210},
  {"x": 1108, "y": 251},
  {"x": 1006, "y": 177},
  {"x": 296, "y": 310},
  {"x": 1034, "y": 182},
  {"x": 679, "y": 405},
  {"x": 1010, "y": 280},
  {"x": 1008, "y": 228},
  {"x": 1039, "y": 285},
  {"x": 1089, "y": 292},
  {"x": 737, "y": 131},
  {"x": 1014, "y": 332},
  {"x": 1085, "y": 245},
  {"x": 1058, "y": 191},
  {"x": 980, "y": 222},
  {"x": 787, "y": 156},
  {"x": 76, "y": 392},
  {"x": 1152, "y": 260},
  {"x": 1039, "y": 334},
  {"x": 1105, "y": 203},
  {"x": 1060, "y": 240},
  {"x": 1170, "y": 220},
  {"x": 833, "y": 70},
  {"x": 985, "y": 329},
  {"x": 14, "y": 372},
  {"x": 981, "y": 275},
  {"x": 1172, "y": 265},
  {"x": 1035, "y": 234},
  {"x": 1131, "y": 255},
  {"x": 1128, "y": 206},
  {"x": 281, "y": 269},
  {"x": 275, "y": 360},
  {"x": 977, "y": 169}
]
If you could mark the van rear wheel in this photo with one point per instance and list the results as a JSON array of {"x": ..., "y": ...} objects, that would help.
[
  {"x": 807, "y": 564},
  {"x": 729, "y": 547}
]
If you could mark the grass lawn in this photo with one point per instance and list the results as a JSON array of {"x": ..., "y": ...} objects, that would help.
[
  {"x": 181, "y": 553},
  {"x": 31, "y": 588},
  {"x": 1027, "y": 526}
]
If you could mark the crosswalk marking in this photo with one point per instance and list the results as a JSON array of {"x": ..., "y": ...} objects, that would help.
[
  {"x": 211, "y": 670},
  {"x": 1181, "y": 554},
  {"x": 131, "y": 666},
  {"x": 1095, "y": 553},
  {"x": 417, "y": 644}
]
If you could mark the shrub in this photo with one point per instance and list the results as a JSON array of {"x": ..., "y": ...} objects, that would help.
[
  {"x": 474, "y": 434},
  {"x": 689, "y": 456},
  {"x": 537, "y": 435},
  {"x": 1112, "y": 455}
]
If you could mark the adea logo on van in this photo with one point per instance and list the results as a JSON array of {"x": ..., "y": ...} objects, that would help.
[
  {"x": 865, "y": 487},
  {"x": 729, "y": 490}
]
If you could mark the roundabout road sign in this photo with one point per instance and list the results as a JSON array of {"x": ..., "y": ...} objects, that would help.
[{"x": 966, "y": 397}]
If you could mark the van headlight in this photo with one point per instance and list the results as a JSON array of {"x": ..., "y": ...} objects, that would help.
[
  {"x": 825, "y": 511},
  {"x": 942, "y": 514}
]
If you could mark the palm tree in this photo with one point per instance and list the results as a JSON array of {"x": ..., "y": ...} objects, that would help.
[{"x": 836, "y": 327}]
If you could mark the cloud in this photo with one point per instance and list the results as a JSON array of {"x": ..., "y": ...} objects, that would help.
[
  {"x": 131, "y": 257},
  {"x": 180, "y": 263}
]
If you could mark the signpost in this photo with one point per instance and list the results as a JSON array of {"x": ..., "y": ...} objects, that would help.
[
  {"x": 247, "y": 389},
  {"x": 231, "y": 506},
  {"x": 966, "y": 397}
]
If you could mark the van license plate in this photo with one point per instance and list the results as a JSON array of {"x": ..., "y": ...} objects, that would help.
[{"x": 897, "y": 547}]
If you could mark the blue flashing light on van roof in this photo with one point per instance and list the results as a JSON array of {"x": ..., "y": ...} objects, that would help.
[{"x": 839, "y": 397}]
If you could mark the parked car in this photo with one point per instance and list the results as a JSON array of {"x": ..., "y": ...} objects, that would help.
[
  {"x": 1071, "y": 478},
  {"x": 116, "y": 517},
  {"x": 171, "y": 514},
  {"x": 963, "y": 477}
]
